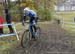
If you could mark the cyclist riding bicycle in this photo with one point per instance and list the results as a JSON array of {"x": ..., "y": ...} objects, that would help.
[{"x": 32, "y": 21}]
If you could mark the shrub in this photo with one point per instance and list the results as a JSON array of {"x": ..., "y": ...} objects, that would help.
[{"x": 44, "y": 14}]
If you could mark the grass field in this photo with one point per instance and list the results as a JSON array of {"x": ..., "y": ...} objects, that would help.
[
  {"x": 6, "y": 43},
  {"x": 67, "y": 17}
]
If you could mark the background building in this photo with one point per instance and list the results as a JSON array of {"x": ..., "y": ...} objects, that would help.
[{"x": 65, "y": 5}]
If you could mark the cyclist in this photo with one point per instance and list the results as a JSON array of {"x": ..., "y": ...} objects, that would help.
[{"x": 32, "y": 21}]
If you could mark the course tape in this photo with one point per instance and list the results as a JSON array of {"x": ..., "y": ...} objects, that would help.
[{"x": 6, "y": 24}]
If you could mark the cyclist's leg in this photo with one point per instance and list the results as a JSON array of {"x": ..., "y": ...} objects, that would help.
[
  {"x": 31, "y": 30},
  {"x": 35, "y": 26}
]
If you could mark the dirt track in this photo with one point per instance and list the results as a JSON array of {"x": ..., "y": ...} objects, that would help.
[{"x": 54, "y": 40}]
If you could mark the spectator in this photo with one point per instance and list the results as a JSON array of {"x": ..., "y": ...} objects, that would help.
[
  {"x": 8, "y": 20},
  {"x": 1, "y": 27},
  {"x": 58, "y": 21}
]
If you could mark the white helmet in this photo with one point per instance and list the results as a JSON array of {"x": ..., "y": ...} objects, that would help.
[{"x": 26, "y": 10}]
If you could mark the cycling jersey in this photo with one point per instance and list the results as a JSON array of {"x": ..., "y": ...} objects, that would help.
[{"x": 32, "y": 14}]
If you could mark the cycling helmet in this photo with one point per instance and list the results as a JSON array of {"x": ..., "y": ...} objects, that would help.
[{"x": 26, "y": 10}]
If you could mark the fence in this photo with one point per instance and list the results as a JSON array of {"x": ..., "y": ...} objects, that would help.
[
  {"x": 12, "y": 34},
  {"x": 68, "y": 24}
]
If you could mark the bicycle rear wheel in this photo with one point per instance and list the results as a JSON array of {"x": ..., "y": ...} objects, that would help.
[{"x": 25, "y": 38}]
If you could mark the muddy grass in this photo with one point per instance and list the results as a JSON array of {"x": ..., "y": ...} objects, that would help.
[{"x": 54, "y": 40}]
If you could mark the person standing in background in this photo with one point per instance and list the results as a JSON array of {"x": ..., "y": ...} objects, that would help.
[
  {"x": 8, "y": 20},
  {"x": 1, "y": 23}
]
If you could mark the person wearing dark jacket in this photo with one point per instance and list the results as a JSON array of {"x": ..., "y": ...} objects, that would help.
[{"x": 8, "y": 20}]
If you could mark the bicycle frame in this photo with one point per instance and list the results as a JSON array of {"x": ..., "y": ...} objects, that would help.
[{"x": 32, "y": 29}]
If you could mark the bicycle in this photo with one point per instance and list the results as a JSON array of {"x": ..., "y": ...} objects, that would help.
[{"x": 27, "y": 36}]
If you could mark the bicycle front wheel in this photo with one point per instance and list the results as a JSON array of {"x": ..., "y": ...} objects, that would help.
[{"x": 25, "y": 38}]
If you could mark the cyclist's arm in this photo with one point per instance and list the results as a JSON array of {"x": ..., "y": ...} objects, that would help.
[{"x": 23, "y": 20}]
